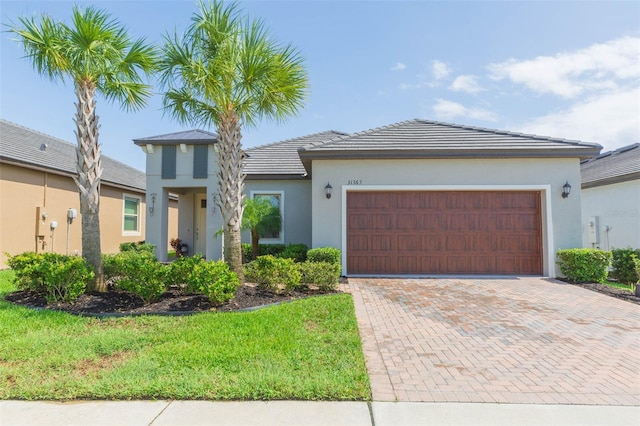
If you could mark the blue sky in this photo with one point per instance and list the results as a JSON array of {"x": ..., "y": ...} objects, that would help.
[{"x": 562, "y": 69}]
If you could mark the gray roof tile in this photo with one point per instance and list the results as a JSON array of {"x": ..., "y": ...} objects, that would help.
[
  {"x": 194, "y": 136},
  {"x": 281, "y": 158},
  {"x": 620, "y": 165},
  {"x": 425, "y": 139},
  {"x": 21, "y": 145}
]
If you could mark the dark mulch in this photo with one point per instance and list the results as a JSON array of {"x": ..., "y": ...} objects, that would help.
[
  {"x": 609, "y": 291},
  {"x": 173, "y": 302}
]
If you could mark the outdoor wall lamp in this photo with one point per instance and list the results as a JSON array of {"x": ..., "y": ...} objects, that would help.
[
  {"x": 566, "y": 190},
  {"x": 327, "y": 190},
  {"x": 152, "y": 208}
]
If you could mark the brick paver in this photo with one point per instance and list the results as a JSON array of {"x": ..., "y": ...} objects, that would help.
[{"x": 526, "y": 340}]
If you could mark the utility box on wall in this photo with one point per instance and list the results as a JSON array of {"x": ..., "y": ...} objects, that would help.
[{"x": 593, "y": 226}]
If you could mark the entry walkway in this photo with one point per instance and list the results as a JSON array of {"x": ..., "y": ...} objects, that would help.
[{"x": 519, "y": 341}]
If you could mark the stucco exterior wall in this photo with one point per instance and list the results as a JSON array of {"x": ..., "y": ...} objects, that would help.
[
  {"x": 185, "y": 186},
  {"x": 561, "y": 217},
  {"x": 296, "y": 222},
  {"x": 615, "y": 207},
  {"x": 22, "y": 190}
]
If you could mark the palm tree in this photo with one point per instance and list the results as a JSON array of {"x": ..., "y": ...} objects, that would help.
[
  {"x": 260, "y": 216},
  {"x": 227, "y": 72},
  {"x": 98, "y": 56}
]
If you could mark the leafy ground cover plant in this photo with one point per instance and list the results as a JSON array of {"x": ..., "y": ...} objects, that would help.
[
  {"x": 56, "y": 276},
  {"x": 584, "y": 265}
]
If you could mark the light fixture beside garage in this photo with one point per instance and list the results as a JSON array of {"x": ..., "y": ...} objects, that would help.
[
  {"x": 327, "y": 190},
  {"x": 566, "y": 190}
]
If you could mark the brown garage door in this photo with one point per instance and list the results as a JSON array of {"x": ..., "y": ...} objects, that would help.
[{"x": 444, "y": 232}]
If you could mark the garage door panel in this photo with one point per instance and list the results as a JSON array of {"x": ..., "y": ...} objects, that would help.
[{"x": 444, "y": 232}]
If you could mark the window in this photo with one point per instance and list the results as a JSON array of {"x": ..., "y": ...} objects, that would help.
[
  {"x": 169, "y": 162},
  {"x": 277, "y": 199},
  {"x": 131, "y": 215}
]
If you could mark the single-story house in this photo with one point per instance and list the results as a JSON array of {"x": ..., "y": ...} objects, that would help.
[
  {"x": 37, "y": 191},
  {"x": 611, "y": 199},
  {"x": 414, "y": 198}
]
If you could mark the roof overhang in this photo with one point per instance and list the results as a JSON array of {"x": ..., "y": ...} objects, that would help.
[{"x": 612, "y": 180}]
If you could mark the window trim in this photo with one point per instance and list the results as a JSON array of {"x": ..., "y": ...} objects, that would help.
[
  {"x": 138, "y": 215},
  {"x": 280, "y": 240}
]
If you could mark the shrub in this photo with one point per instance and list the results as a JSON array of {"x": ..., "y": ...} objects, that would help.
[
  {"x": 56, "y": 276},
  {"x": 213, "y": 279},
  {"x": 250, "y": 271},
  {"x": 140, "y": 273},
  {"x": 584, "y": 265},
  {"x": 623, "y": 264},
  {"x": 138, "y": 246},
  {"x": 323, "y": 274},
  {"x": 324, "y": 254},
  {"x": 181, "y": 269},
  {"x": 636, "y": 287},
  {"x": 297, "y": 252},
  {"x": 263, "y": 250},
  {"x": 272, "y": 272}
]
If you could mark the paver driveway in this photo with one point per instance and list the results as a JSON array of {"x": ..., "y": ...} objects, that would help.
[{"x": 527, "y": 340}]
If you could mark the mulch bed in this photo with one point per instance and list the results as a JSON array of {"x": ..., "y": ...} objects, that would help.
[
  {"x": 173, "y": 302},
  {"x": 609, "y": 291}
]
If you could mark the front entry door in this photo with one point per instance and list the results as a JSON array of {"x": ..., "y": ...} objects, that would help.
[{"x": 200, "y": 229}]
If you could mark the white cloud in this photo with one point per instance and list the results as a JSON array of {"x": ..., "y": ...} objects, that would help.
[
  {"x": 448, "y": 110},
  {"x": 399, "y": 67},
  {"x": 612, "y": 120},
  {"x": 440, "y": 70},
  {"x": 466, "y": 83},
  {"x": 599, "y": 67}
]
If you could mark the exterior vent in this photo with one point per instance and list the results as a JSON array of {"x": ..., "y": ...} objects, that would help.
[{"x": 43, "y": 147}]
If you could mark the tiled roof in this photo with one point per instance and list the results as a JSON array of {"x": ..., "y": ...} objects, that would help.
[
  {"x": 620, "y": 165},
  {"x": 194, "y": 136},
  {"x": 432, "y": 139},
  {"x": 281, "y": 158},
  {"x": 26, "y": 146}
]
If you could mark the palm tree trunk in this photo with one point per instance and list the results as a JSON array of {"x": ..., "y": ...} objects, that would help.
[
  {"x": 231, "y": 188},
  {"x": 89, "y": 169},
  {"x": 255, "y": 244}
]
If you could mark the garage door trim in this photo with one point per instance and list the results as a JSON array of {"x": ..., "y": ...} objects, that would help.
[{"x": 545, "y": 190}]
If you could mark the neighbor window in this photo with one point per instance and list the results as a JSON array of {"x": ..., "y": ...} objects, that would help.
[
  {"x": 131, "y": 215},
  {"x": 277, "y": 199}
]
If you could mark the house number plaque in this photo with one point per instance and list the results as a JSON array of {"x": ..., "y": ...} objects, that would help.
[{"x": 354, "y": 182}]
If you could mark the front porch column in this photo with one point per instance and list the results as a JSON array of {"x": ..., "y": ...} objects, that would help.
[{"x": 157, "y": 218}]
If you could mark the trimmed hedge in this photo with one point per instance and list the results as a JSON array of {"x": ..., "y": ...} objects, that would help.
[
  {"x": 214, "y": 279},
  {"x": 324, "y": 254},
  {"x": 584, "y": 265},
  {"x": 138, "y": 272},
  {"x": 323, "y": 274},
  {"x": 623, "y": 266},
  {"x": 272, "y": 273},
  {"x": 137, "y": 246},
  {"x": 263, "y": 250},
  {"x": 56, "y": 276}
]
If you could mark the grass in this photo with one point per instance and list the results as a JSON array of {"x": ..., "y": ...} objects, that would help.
[
  {"x": 623, "y": 286},
  {"x": 305, "y": 350}
]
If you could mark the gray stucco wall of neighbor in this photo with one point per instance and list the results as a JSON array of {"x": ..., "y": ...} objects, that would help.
[
  {"x": 296, "y": 222},
  {"x": 615, "y": 207},
  {"x": 561, "y": 217},
  {"x": 184, "y": 184}
]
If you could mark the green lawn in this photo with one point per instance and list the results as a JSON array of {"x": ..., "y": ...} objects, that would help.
[
  {"x": 308, "y": 349},
  {"x": 622, "y": 286}
]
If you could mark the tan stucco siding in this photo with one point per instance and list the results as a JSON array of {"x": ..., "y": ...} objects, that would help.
[
  {"x": 22, "y": 190},
  {"x": 615, "y": 207},
  {"x": 561, "y": 217}
]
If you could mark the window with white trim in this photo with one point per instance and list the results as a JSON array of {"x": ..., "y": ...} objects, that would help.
[
  {"x": 277, "y": 199},
  {"x": 131, "y": 214}
]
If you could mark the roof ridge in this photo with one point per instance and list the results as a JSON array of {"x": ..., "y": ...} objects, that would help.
[
  {"x": 613, "y": 152},
  {"x": 178, "y": 132},
  {"x": 296, "y": 138}
]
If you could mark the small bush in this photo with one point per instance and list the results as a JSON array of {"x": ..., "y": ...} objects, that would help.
[
  {"x": 623, "y": 266},
  {"x": 272, "y": 272},
  {"x": 297, "y": 252},
  {"x": 636, "y": 264},
  {"x": 584, "y": 265},
  {"x": 214, "y": 279},
  {"x": 324, "y": 254},
  {"x": 263, "y": 250},
  {"x": 140, "y": 273},
  {"x": 323, "y": 274},
  {"x": 181, "y": 269},
  {"x": 56, "y": 276},
  {"x": 138, "y": 246},
  {"x": 250, "y": 271}
]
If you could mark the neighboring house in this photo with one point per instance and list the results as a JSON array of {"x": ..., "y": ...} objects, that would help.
[
  {"x": 611, "y": 199},
  {"x": 37, "y": 190},
  {"x": 414, "y": 198}
]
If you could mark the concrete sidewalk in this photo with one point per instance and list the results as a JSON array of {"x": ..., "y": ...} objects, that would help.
[{"x": 158, "y": 413}]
